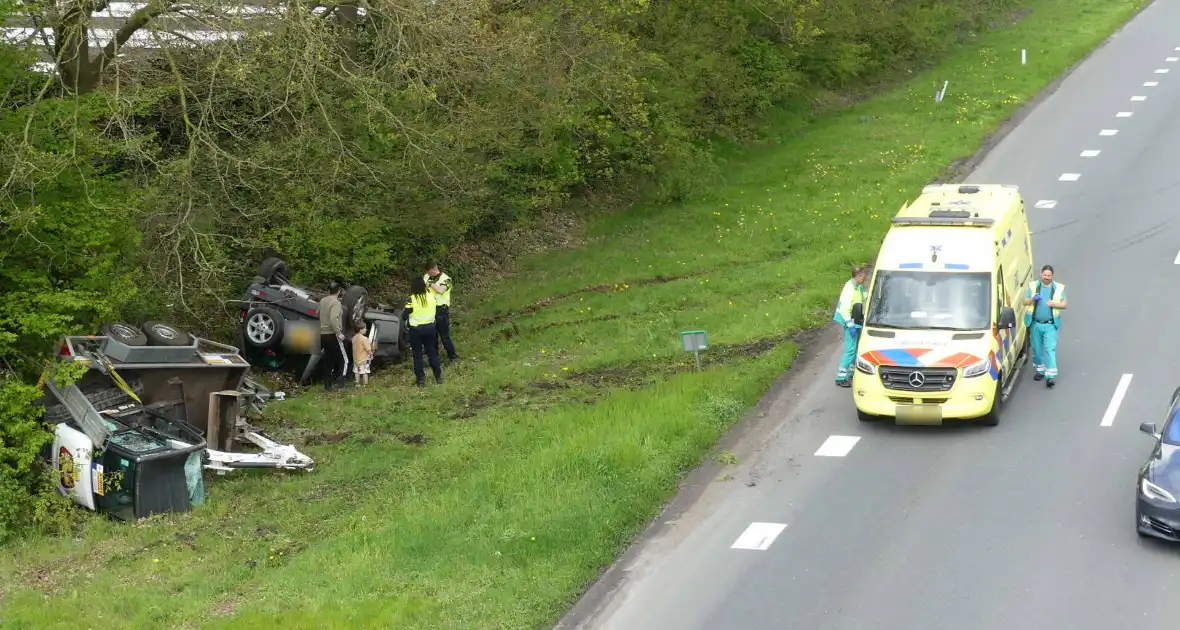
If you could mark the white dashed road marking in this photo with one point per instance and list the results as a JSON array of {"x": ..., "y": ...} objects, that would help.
[
  {"x": 1151, "y": 83},
  {"x": 1123, "y": 115},
  {"x": 837, "y": 446},
  {"x": 1108, "y": 132},
  {"x": 1173, "y": 58},
  {"x": 1177, "y": 261},
  {"x": 1138, "y": 99},
  {"x": 758, "y": 536},
  {"x": 1090, "y": 153},
  {"x": 1069, "y": 177},
  {"x": 1046, "y": 203},
  {"x": 1113, "y": 408},
  {"x": 1161, "y": 71}
]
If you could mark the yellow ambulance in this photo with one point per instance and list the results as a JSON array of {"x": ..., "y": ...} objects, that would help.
[{"x": 943, "y": 334}]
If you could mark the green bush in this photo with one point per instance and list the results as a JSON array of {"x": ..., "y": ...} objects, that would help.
[{"x": 68, "y": 241}]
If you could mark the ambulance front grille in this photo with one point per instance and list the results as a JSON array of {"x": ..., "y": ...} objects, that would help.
[{"x": 917, "y": 379}]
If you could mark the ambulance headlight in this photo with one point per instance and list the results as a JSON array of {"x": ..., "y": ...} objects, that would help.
[
  {"x": 977, "y": 369},
  {"x": 864, "y": 367}
]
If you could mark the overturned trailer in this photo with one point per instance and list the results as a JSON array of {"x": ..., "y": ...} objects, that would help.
[{"x": 127, "y": 435}]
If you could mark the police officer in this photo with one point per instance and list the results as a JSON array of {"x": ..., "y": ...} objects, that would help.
[
  {"x": 1044, "y": 322},
  {"x": 421, "y": 309},
  {"x": 852, "y": 293},
  {"x": 331, "y": 314},
  {"x": 440, "y": 283}
]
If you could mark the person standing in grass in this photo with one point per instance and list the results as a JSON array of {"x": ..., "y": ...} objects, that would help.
[
  {"x": 334, "y": 358},
  {"x": 421, "y": 309},
  {"x": 852, "y": 293},
  {"x": 362, "y": 355},
  {"x": 440, "y": 283}
]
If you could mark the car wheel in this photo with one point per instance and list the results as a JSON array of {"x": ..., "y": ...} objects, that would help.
[
  {"x": 355, "y": 302},
  {"x": 161, "y": 334},
  {"x": 263, "y": 327},
  {"x": 274, "y": 270},
  {"x": 993, "y": 417},
  {"x": 124, "y": 333}
]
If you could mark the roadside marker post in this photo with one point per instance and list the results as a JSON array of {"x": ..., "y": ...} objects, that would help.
[
  {"x": 694, "y": 341},
  {"x": 941, "y": 94}
]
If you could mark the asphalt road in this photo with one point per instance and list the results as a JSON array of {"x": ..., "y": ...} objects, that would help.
[{"x": 1026, "y": 525}]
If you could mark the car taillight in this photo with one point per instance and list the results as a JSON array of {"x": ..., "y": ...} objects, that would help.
[{"x": 313, "y": 312}]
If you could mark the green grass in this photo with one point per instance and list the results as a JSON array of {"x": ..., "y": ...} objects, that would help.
[{"x": 567, "y": 429}]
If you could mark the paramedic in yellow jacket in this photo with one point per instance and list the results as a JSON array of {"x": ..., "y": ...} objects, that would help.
[
  {"x": 1044, "y": 322},
  {"x": 852, "y": 293}
]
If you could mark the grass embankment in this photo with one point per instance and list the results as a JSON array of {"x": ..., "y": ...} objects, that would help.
[{"x": 489, "y": 502}]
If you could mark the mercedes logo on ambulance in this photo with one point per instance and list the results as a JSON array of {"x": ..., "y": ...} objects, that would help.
[{"x": 916, "y": 379}]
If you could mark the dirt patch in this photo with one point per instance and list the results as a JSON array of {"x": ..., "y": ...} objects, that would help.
[
  {"x": 505, "y": 335},
  {"x": 187, "y": 541},
  {"x": 336, "y": 437},
  {"x": 325, "y": 438},
  {"x": 472, "y": 405},
  {"x": 550, "y": 385},
  {"x": 224, "y": 609},
  {"x": 644, "y": 373},
  {"x": 416, "y": 439},
  {"x": 531, "y": 309}
]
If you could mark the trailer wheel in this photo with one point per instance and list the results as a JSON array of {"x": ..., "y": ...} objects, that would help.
[
  {"x": 161, "y": 334},
  {"x": 124, "y": 333}
]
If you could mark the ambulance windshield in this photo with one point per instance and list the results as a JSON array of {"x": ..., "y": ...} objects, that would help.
[{"x": 925, "y": 300}]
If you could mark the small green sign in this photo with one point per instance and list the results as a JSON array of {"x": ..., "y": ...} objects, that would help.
[{"x": 694, "y": 340}]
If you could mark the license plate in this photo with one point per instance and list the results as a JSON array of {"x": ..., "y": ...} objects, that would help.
[
  {"x": 301, "y": 337},
  {"x": 918, "y": 414}
]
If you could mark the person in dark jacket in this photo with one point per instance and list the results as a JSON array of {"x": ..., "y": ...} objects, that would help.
[{"x": 421, "y": 310}]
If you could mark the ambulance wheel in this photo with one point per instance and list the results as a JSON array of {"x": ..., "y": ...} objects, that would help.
[{"x": 993, "y": 417}]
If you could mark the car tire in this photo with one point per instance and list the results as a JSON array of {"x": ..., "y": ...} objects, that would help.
[
  {"x": 355, "y": 302},
  {"x": 993, "y": 417},
  {"x": 263, "y": 328},
  {"x": 124, "y": 333},
  {"x": 162, "y": 334},
  {"x": 403, "y": 342},
  {"x": 101, "y": 399},
  {"x": 274, "y": 271}
]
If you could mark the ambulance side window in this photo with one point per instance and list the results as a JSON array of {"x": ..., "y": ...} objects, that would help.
[{"x": 1000, "y": 293}]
